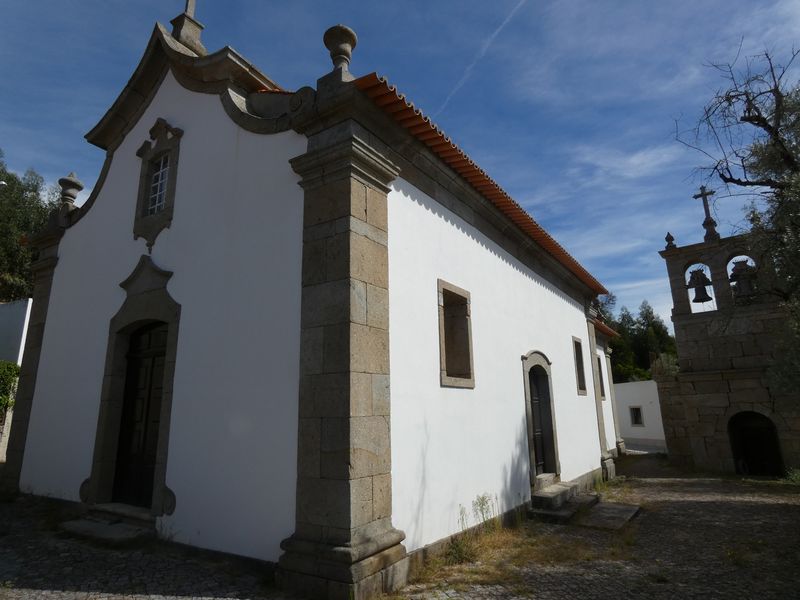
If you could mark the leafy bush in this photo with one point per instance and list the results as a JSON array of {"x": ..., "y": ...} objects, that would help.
[{"x": 9, "y": 373}]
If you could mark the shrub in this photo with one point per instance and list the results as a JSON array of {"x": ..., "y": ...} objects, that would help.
[{"x": 9, "y": 373}]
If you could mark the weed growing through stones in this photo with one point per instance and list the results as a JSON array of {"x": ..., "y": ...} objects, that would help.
[
  {"x": 484, "y": 508},
  {"x": 462, "y": 547}
]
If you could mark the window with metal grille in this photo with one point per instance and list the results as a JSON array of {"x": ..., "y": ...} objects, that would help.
[
  {"x": 636, "y": 416},
  {"x": 158, "y": 185}
]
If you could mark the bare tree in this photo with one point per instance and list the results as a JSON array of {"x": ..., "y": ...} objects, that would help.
[{"x": 750, "y": 132}]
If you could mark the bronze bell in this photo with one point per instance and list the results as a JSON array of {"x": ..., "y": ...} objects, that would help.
[
  {"x": 699, "y": 281},
  {"x": 742, "y": 276}
]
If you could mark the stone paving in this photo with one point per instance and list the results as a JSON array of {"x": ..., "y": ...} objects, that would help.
[
  {"x": 39, "y": 562},
  {"x": 696, "y": 537}
]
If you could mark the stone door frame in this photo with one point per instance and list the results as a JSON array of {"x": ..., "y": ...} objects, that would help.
[
  {"x": 148, "y": 302},
  {"x": 535, "y": 358}
]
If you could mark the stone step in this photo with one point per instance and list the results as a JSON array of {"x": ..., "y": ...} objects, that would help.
[
  {"x": 114, "y": 524},
  {"x": 118, "y": 533},
  {"x": 553, "y": 496},
  {"x": 608, "y": 515},
  {"x": 115, "y": 512},
  {"x": 544, "y": 480},
  {"x": 577, "y": 505}
]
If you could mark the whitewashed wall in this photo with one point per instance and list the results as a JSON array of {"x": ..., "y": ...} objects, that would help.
[
  {"x": 14, "y": 318},
  {"x": 608, "y": 412},
  {"x": 235, "y": 248},
  {"x": 644, "y": 394},
  {"x": 451, "y": 445}
]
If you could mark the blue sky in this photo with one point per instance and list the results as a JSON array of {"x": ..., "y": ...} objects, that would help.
[{"x": 570, "y": 105}]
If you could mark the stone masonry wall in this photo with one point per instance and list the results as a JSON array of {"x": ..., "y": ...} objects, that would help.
[{"x": 724, "y": 358}]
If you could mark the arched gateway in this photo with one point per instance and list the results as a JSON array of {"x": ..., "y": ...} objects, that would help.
[{"x": 755, "y": 446}]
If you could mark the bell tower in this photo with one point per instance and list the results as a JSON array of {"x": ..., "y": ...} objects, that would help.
[{"x": 720, "y": 408}]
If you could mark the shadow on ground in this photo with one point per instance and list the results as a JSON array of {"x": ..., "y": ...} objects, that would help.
[{"x": 37, "y": 560}]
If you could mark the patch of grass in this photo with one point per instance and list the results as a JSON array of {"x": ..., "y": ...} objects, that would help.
[
  {"x": 460, "y": 550},
  {"x": 792, "y": 477},
  {"x": 618, "y": 490},
  {"x": 745, "y": 552}
]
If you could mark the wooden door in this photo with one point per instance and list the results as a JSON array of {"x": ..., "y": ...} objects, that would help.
[
  {"x": 541, "y": 412},
  {"x": 141, "y": 415}
]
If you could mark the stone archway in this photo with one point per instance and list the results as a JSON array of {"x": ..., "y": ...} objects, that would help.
[
  {"x": 540, "y": 417},
  {"x": 755, "y": 445}
]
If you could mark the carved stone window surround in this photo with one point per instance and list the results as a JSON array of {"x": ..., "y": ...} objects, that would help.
[
  {"x": 455, "y": 336},
  {"x": 164, "y": 141},
  {"x": 580, "y": 368}
]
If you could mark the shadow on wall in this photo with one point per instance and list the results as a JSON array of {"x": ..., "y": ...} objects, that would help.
[
  {"x": 516, "y": 473},
  {"x": 419, "y": 512},
  {"x": 513, "y": 491}
]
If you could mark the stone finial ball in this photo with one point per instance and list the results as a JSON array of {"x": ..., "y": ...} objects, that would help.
[
  {"x": 70, "y": 186},
  {"x": 340, "y": 41}
]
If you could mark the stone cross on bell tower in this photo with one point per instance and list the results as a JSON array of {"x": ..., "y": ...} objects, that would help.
[{"x": 708, "y": 223}]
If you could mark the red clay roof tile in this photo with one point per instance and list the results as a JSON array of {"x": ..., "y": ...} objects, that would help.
[{"x": 411, "y": 118}]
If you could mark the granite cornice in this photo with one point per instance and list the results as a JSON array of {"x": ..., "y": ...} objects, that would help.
[{"x": 350, "y": 157}]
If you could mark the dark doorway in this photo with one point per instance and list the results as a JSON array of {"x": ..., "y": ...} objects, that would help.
[
  {"x": 542, "y": 417},
  {"x": 141, "y": 411},
  {"x": 754, "y": 441}
]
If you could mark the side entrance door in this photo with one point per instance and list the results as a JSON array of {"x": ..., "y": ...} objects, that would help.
[
  {"x": 141, "y": 413},
  {"x": 543, "y": 441}
]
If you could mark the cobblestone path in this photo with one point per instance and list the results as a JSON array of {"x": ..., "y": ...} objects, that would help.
[
  {"x": 39, "y": 562},
  {"x": 696, "y": 537}
]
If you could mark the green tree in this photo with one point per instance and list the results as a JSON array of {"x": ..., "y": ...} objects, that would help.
[
  {"x": 642, "y": 339},
  {"x": 23, "y": 211},
  {"x": 754, "y": 128}
]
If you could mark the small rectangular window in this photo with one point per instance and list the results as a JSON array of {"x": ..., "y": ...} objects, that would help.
[
  {"x": 455, "y": 336},
  {"x": 579, "y": 370},
  {"x": 636, "y": 416},
  {"x": 600, "y": 375}
]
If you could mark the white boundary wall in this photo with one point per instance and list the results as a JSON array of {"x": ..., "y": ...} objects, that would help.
[
  {"x": 14, "y": 318},
  {"x": 644, "y": 394},
  {"x": 235, "y": 249},
  {"x": 451, "y": 445}
]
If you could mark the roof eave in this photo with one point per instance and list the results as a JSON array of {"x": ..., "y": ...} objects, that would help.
[{"x": 423, "y": 129}]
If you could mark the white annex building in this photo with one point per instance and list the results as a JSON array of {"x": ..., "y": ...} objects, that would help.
[{"x": 301, "y": 326}]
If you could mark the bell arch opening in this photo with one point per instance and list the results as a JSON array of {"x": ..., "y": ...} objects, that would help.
[
  {"x": 700, "y": 288},
  {"x": 742, "y": 272}
]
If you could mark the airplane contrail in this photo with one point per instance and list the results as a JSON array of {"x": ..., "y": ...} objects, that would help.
[{"x": 479, "y": 55}]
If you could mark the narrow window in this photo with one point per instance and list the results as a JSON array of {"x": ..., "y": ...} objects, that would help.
[
  {"x": 600, "y": 375},
  {"x": 579, "y": 370},
  {"x": 636, "y": 416},
  {"x": 158, "y": 185},
  {"x": 455, "y": 337}
]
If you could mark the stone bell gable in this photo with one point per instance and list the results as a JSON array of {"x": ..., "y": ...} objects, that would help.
[{"x": 721, "y": 411}]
